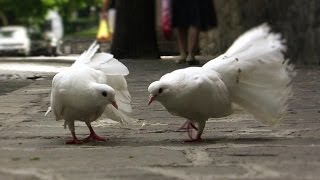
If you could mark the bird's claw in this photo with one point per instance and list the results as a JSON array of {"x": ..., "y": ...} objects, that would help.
[{"x": 94, "y": 137}]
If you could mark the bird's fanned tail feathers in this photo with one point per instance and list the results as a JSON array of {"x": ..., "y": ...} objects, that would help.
[{"x": 257, "y": 74}]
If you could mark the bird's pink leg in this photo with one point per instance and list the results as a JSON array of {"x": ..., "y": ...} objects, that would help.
[
  {"x": 193, "y": 126},
  {"x": 74, "y": 139},
  {"x": 184, "y": 126},
  {"x": 199, "y": 130},
  {"x": 93, "y": 135},
  {"x": 190, "y": 128}
]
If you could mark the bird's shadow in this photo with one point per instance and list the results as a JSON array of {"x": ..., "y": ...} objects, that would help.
[{"x": 144, "y": 142}]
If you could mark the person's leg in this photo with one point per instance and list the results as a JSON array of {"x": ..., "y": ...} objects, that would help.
[
  {"x": 193, "y": 39},
  {"x": 182, "y": 43}
]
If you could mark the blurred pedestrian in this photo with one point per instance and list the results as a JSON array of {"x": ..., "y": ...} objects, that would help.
[
  {"x": 107, "y": 21},
  {"x": 189, "y": 17},
  {"x": 54, "y": 31}
]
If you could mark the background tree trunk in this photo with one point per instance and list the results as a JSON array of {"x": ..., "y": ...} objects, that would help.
[
  {"x": 135, "y": 35},
  {"x": 297, "y": 20}
]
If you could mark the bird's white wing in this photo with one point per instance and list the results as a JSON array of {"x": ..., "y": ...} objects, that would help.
[
  {"x": 108, "y": 64},
  {"x": 123, "y": 97},
  {"x": 56, "y": 103},
  {"x": 198, "y": 94},
  {"x": 86, "y": 56},
  {"x": 256, "y": 73},
  {"x": 104, "y": 62}
]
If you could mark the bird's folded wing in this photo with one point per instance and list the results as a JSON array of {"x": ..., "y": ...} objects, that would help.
[
  {"x": 123, "y": 97},
  {"x": 55, "y": 98},
  {"x": 212, "y": 93},
  {"x": 201, "y": 88}
]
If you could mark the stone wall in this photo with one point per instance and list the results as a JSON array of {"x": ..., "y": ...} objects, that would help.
[{"x": 297, "y": 20}]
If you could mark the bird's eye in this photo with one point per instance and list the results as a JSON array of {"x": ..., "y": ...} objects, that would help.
[
  {"x": 104, "y": 93},
  {"x": 160, "y": 90}
]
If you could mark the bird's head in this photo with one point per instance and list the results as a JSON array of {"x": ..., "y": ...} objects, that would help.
[
  {"x": 158, "y": 91},
  {"x": 105, "y": 94}
]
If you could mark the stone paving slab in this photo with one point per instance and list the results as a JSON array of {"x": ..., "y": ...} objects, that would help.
[{"x": 235, "y": 147}]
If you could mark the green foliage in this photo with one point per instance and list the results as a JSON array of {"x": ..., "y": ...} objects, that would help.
[
  {"x": 86, "y": 33},
  {"x": 32, "y": 13},
  {"x": 22, "y": 12}
]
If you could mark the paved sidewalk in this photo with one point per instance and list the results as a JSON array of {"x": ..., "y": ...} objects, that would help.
[{"x": 236, "y": 147}]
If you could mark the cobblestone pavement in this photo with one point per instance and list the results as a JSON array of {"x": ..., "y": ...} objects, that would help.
[{"x": 236, "y": 147}]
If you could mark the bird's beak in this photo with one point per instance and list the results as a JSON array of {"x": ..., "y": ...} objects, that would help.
[
  {"x": 151, "y": 98},
  {"x": 114, "y": 104}
]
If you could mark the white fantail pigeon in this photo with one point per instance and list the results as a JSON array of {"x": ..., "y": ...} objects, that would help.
[
  {"x": 94, "y": 84},
  {"x": 253, "y": 73}
]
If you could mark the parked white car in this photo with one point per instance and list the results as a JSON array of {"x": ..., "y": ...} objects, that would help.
[{"x": 14, "y": 39}]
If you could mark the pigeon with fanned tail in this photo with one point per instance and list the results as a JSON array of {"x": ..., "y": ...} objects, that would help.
[
  {"x": 93, "y": 85},
  {"x": 253, "y": 73}
]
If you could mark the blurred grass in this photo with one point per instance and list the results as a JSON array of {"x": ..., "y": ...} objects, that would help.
[{"x": 86, "y": 33}]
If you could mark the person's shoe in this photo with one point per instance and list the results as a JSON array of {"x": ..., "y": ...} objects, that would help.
[
  {"x": 181, "y": 60},
  {"x": 192, "y": 61}
]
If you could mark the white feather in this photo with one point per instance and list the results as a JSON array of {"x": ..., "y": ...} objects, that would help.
[
  {"x": 104, "y": 62},
  {"x": 86, "y": 56},
  {"x": 253, "y": 73},
  {"x": 256, "y": 73},
  {"x": 107, "y": 64},
  {"x": 72, "y": 95},
  {"x": 119, "y": 116},
  {"x": 123, "y": 97},
  {"x": 195, "y": 94}
]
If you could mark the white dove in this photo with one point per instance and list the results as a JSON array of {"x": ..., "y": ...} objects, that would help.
[
  {"x": 253, "y": 73},
  {"x": 86, "y": 89}
]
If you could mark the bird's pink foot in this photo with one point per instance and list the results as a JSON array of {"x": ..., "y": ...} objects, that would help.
[{"x": 94, "y": 137}]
